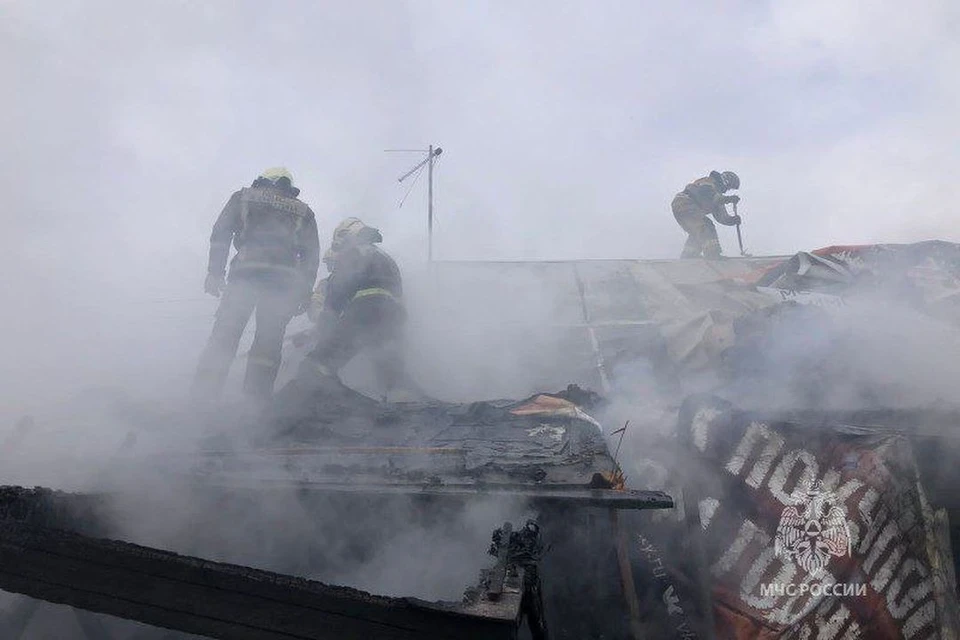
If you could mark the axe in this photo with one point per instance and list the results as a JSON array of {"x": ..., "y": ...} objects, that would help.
[{"x": 739, "y": 236}]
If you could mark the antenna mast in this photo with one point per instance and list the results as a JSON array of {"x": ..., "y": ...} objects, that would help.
[{"x": 432, "y": 153}]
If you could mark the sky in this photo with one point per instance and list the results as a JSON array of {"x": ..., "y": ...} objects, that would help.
[{"x": 566, "y": 129}]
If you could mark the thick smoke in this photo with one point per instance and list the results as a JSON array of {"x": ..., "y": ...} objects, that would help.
[{"x": 566, "y": 130}]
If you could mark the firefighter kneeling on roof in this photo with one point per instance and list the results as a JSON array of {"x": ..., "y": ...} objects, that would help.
[{"x": 358, "y": 305}]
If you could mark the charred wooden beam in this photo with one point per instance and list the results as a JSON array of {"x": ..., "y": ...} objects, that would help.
[
  {"x": 72, "y": 511},
  {"x": 628, "y": 499},
  {"x": 47, "y": 508},
  {"x": 518, "y": 553},
  {"x": 499, "y": 573},
  {"x": 225, "y": 601}
]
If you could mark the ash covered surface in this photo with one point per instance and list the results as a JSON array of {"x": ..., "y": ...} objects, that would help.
[{"x": 336, "y": 435}]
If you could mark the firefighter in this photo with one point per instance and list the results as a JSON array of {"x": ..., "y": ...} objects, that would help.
[
  {"x": 358, "y": 305},
  {"x": 701, "y": 198},
  {"x": 272, "y": 273}
]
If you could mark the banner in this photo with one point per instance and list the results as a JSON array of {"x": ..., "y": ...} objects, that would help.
[{"x": 811, "y": 530}]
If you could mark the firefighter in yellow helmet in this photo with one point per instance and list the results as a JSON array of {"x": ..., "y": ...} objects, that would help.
[
  {"x": 701, "y": 198},
  {"x": 358, "y": 306},
  {"x": 272, "y": 274}
]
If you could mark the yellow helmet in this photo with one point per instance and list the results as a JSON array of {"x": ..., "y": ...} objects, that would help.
[
  {"x": 351, "y": 231},
  {"x": 275, "y": 174},
  {"x": 347, "y": 230},
  {"x": 354, "y": 230}
]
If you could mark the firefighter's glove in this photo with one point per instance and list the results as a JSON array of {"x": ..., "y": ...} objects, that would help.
[
  {"x": 214, "y": 284},
  {"x": 735, "y": 220},
  {"x": 733, "y": 199}
]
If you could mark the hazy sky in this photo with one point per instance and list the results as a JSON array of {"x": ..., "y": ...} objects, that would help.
[{"x": 566, "y": 127}]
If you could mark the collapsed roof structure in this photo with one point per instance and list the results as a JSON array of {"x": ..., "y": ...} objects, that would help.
[
  {"x": 830, "y": 354},
  {"x": 361, "y": 474},
  {"x": 772, "y": 436}
]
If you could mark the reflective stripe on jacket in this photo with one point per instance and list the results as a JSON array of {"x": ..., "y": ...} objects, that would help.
[{"x": 372, "y": 291}]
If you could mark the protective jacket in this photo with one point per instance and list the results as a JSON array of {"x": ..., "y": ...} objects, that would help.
[
  {"x": 361, "y": 271},
  {"x": 704, "y": 196},
  {"x": 275, "y": 234}
]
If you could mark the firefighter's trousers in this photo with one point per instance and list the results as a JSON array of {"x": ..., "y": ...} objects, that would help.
[
  {"x": 275, "y": 304},
  {"x": 374, "y": 322},
  {"x": 702, "y": 237}
]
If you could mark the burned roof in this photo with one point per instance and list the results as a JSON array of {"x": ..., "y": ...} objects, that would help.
[
  {"x": 545, "y": 447},
  {"x": 547, "y": 315}
]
